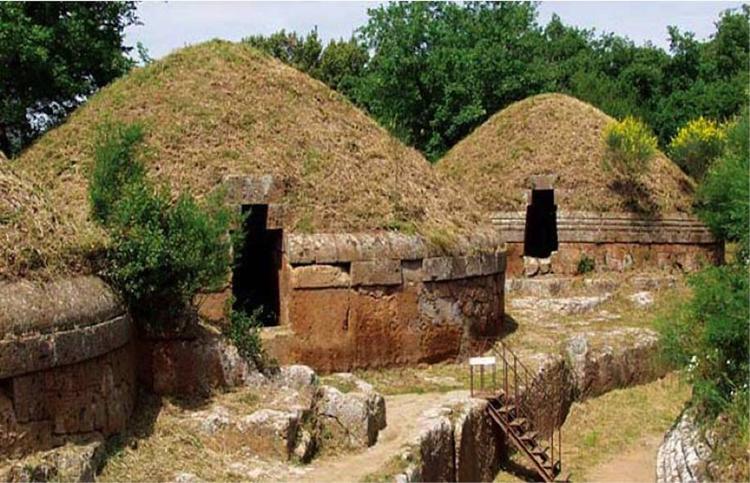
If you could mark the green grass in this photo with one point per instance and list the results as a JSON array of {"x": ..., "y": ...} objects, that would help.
[{"x": 599, "y": 429}]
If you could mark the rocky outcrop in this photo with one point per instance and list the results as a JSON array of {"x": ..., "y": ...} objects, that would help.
[
  {"x": 479, "y": 444},
  {"x": 551, "y": 393},
  {"x": 561, "y": 305},
  {"x": 76, "y": 462},
  {"x": 684, "y": 454},
  {"x": 352, "y": 419},
  {"x": 274, "y": 433},
  {"x": 456, "y": 442},
  {"x": 619, "y": 358},
  {"x": 194, "y": 366}
]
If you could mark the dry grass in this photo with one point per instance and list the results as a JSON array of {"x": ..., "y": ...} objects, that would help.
[
  {"x": 164, "y": 440},
  {"x": 220, "y": 108},
  {"x": 556, "y": 134},
  {"x": 599, "y": 429},
  {"x": 424, "y": 378},
  {"x": 34, "y": 232}
]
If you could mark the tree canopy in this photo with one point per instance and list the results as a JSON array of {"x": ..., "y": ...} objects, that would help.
[
  {"x": 432, "y": 72},
  {"x": 53, "y": 56}
]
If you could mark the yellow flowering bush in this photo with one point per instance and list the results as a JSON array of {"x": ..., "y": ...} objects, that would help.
[
  {"x": 696, "y": 144},
  {"x": 630, "y": 147}
]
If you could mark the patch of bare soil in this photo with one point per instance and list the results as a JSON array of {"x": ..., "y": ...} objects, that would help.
[{"x": 636, "y": 464}]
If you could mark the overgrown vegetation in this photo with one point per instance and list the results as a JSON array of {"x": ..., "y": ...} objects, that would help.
[
  {"x": 244, "y": 332},
  {"x": 723, "y": 198},
  {"x": 696, "y": 145},
  {"x": 162, "y": 249},
  {"x": 709, "y": 335},
  {"x": 630, "y": 147}
]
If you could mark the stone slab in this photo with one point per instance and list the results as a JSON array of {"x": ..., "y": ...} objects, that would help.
[
  {"x": 260, "y": 190},
  {"x": 376, "y": 272},
  {"x": 453, "y": 268},
  {"x": 320, "y": 276}
]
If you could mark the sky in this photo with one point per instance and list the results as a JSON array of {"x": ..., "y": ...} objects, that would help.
[{"x": 170, "y": 25}]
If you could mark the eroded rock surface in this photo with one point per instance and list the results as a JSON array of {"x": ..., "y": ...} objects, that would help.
[
  {"x": 684, "y": 454},
  {"x": 456, "y": 442},
  {"x": 353, "y": 418},
  {"x": 560, "y": 305},
  {"x": 75, "y": 461},
  {"x": 614, "y": 359}
]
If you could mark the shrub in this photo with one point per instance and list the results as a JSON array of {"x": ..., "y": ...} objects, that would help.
[
  {"x": 586, "y": 264},
  {"x": 162, "y": 251},
  {"x": 115, "y": 167},
  {"x": 630, "y": 146},
  {"x": 723, "y": 197},
  {"x": 244, "y": 332},
  {"x": 709, "y": 337},
  {"x": 696, "y": 145}
]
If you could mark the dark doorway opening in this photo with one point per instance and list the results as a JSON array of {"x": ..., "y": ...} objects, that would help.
[
  {"x": 255, "y": 281},
  {"x": 540, "y": 235}
]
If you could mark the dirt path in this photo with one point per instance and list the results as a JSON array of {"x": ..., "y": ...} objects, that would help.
[
  {"x": 402, "y": 413},
  {"x": 636, "y": 464}
]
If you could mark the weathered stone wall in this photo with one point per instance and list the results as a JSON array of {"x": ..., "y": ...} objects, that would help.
[
  {"x": 357, "y": 301},
  {"x": 67, "y": 366},
  {"x": 456, "y": 442},
  {"x": 685, "y": 454},
  {"x": 617, "y": 242}
]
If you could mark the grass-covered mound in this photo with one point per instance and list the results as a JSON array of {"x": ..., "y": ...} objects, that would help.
[
  {"x": 220, "y": 108},
  {"x": 558, "y": 134},
  {"x": 34, "y": 234}
]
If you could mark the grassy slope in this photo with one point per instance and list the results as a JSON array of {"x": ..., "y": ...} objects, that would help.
[
  {"x": 220, "y": 108},
  {"x": 546, "y": 134},
  {"x": 33, "y": 232}
]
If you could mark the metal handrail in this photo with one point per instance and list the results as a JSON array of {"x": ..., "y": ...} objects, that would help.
[{"x": 520, "y": 397}]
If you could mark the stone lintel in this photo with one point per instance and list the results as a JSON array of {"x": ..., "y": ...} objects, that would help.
[{"x": 254, "y": 190}]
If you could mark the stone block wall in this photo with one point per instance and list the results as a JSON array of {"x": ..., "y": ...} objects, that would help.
[
  {"x": 372, "y": 300},
  {"x": 617, "y": 242},
  {"x": 67, "y": 364}
]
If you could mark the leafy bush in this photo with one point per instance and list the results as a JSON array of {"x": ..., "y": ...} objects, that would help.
[
  {"x": 630, "y": 146},
  {"x": 723, "y": 198},
  {"x": 162, "y": 250},
  {"x": 115, "y": 167},
  {"x": 709, "y": 336},
  {"x": 586, "y": 264},
  {"x": 244, "y": 332},
  {"x": 697, "y": 144}
]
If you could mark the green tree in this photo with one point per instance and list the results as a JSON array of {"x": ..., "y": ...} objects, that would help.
[
  {"x": 53, "y": 56},
  {"x": 336, "y": 65},
  {"x": 341, "y": 64},
  {"x": 300, "y": 51},
  {"x": 440, "y": 69},
  {"x": 723, "y": 198}
]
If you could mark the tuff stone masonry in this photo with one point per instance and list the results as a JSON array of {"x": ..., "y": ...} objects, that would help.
[
  {"x": 369, "y": 300},
  {"x": 617, "y": 241},
  {"x": 67, "y": 366}
]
